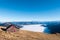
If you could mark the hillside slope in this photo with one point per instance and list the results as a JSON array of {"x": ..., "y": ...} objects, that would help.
[{"x": 27, "y": 35}]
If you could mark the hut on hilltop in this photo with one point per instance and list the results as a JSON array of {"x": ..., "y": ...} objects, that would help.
[{"x": 11, "y": 27}]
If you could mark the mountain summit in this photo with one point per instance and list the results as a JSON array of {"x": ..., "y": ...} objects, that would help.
[{"x": 27, "y": 35}]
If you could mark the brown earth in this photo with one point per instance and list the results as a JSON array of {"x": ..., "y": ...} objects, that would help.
[{"x": 27, "y": 35}]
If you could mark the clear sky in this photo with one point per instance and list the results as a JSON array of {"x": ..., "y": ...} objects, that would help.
[{"x": 29, "y": 10}]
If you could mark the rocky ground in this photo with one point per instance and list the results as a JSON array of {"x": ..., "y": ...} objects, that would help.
[{"x": 27, "y": 35}]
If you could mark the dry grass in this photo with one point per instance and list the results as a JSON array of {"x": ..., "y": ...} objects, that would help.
[{"x": 27, "y": 35}]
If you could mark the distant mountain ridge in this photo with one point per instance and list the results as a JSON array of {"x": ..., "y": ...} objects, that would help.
[{"x": 32, "y": 23}]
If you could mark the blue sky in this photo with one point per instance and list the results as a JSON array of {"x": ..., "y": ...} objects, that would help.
[{"x": 29, "y": 10}]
